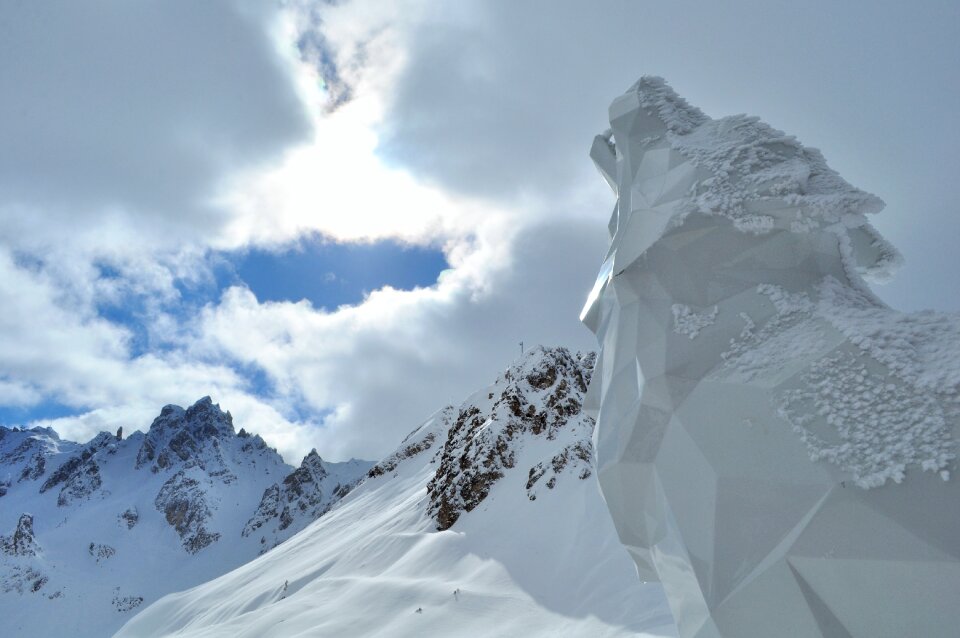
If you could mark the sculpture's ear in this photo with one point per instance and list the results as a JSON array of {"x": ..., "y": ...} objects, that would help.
[{"x": 604, "y": 155}]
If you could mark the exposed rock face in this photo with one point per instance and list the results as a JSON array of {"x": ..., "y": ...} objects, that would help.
[
  {"x": 126, "y": 603},
  {"x": 557, "y": 554},
  {"x": 183, "y": 490},
  {"x": 540, "y": 397},
  {"x": 303, "y": 496},
  {"x": 35, "y": 468},
  {"x": 100, "y": 552},
  {"x": 183, "y": 501},
  {"x": 79, "y": 477},
  {"x": 188, "y": 438},
  {"x": 129, "y": 517},
  {"x": 576, "y": 457},
  {"x": 24, "y": 453},
  {"x": 22, "y": 579},
  {"x": 774, "y": 444},
  {"x": 191, "y": 441},
  {"x": 22, "y": 541},
  {"x": 20, "y": 443}
]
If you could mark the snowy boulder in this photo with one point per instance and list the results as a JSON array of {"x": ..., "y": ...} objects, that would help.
[{"x": 774, "y": 444}]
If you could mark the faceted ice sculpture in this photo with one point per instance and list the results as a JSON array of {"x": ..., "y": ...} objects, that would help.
[{"x": 774, "y": 443}]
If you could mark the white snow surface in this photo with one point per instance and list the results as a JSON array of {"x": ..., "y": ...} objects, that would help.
[
  {"x": 105, "y": 550},
  {"x": 519, "y": 563}
]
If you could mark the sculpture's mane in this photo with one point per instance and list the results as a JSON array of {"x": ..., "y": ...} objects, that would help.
[{"x": 760, "y": 178}]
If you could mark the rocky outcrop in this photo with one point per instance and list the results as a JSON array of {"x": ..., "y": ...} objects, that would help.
[
  {"x": 100, "y": 552},
  {"x": 34, "y": 468},
  {"x": 304, "y": 495},
  {"x": 22, "y": 542},
  {"x": 18, "y": 444},
  {"x": 183, "y": 502},
  {"x": 129, "y": 517},
  {"x": 22, "y": 579},
  {"x": 576, "y": 457},
  {"x": 540, "y": 396},
  {"x": 79, "y": 477},
  {"x": 188, "y": 438},
  {"x": 190, "y": 473},
  {"x": 123, "y": 603},
  {"x": 24, "y": 454}
]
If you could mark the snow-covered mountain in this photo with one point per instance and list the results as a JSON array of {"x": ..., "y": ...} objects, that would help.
[
  {"x": 486, "y": 521},
  {"x": 89, "y": 533}
]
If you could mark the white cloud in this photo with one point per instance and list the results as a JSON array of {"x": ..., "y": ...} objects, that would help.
[
  {"x": 139, "y": 138},
  {"x": 386, "y": 364}
]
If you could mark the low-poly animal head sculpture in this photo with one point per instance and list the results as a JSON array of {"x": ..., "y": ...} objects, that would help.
[{"x": 765, "y": 451}]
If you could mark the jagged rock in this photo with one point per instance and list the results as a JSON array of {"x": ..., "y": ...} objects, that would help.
[
  {"x": 125, "y": 603},
  {"x": 209, "y": 487},
  {"x": 35, "y": 468},
  {"x": 188, "y": 438},
  {"x": 22, "y": 542},
  {"x": 305, "y": 494},
  {"x": 120, "y": 433},
  {"x": 540, "y": 396},
  {"x": 23, "y": 579},
  {"x": 24, "y": 453},
  {"x": 559, "y": 552},
  {"x": 80, "y": 475},
  {"x": 129, "y": 517},
  {"x": 100, "y": 552},
  {"x": 183, "y": 502},
  {"x": 577, "y": 456}
]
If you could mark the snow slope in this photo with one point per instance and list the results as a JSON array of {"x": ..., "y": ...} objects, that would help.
[
  {"x": 526, "y": 548},
  {"x": 114, "y": 524}
]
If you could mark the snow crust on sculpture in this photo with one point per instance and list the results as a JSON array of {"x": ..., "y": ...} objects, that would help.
[{"x": 774, "y": 443}]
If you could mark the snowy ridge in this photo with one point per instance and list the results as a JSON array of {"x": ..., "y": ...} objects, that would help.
[
  {"x": 303, "y": 496},
  {"x": 90, "y": 532},
  {"x": 486, "y": 521},
  {"x": 539, "y": 396}
]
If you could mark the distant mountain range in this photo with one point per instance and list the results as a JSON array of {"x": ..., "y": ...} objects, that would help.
[
  {"x": 91, "y": 533},
  {"x": 485, "y": 521}
]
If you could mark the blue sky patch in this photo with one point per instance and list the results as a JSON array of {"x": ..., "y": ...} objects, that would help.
[
  {"x": 331, "y": 274},
  {"x": 327, "y": 274},
  {"x": 11, "y": 416}
]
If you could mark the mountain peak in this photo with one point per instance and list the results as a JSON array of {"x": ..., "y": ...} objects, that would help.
[
  {"x": 303, "y": 496},
  {"x": 22, "y": 541},
  {"x": 541, "y": 366},
  {"x": 179, "y": 434},
  {"x": 540, "y": 396}
]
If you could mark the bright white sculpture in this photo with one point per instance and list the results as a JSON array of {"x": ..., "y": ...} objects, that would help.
[{"x": 774, "y": 443}]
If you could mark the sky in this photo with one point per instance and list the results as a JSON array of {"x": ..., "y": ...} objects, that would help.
[{"x": 337, "y": 217}]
